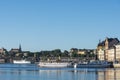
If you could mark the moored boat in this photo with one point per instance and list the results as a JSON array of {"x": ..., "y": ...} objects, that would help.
[
  {"x": 54, "y": 64},
  {"x": 116, "y": 64},
  {"x": 21, "y": 62},
  {"x": 94, "y": 64}
]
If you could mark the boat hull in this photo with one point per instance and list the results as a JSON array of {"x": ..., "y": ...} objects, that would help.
[
  {"x": 92, "y": 66},
  {"x": 53, "y": 65}
]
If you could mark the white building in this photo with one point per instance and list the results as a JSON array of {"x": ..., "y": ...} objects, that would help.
[
  {"x": 111, "y": 53},
  {"x": 101, "y": 54},
  {"x": 117, "y": 52}
]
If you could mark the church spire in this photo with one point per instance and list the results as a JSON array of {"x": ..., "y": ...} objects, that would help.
[{"x": 20, "y": 49}]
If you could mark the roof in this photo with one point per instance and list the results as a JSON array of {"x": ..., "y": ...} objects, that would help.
[
  {"x": 101, "y": 43},
  {"x": 111, "y": 41},
  {"x": 118, "y": 43},
  {"x": 73, "y": 49}
]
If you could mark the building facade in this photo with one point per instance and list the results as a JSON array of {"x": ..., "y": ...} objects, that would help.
[
  {"x": 107, "y": 49},
  {"x": 117, "y": 55},
  {"x": 101, "y": 55},
  {"x": 111, "y": 55},
  {"x": 3, "y": 51}
]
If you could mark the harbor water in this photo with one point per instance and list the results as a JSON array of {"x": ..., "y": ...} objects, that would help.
[{"x": 33, "y": 72}]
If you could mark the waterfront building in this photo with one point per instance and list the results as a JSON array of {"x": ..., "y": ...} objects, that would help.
[
  {"x": 3, "y": 51},
  {"x": 117, "y": 54},
  {"x": 101, "y": 55},
  {"x": 101, "y": 50},
  {"x": 111, "y": 55},
  {"x": 106, "y": 49}
]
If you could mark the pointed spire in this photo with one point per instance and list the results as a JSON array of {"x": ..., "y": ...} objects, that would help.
[{"x": 20, "y": 49}]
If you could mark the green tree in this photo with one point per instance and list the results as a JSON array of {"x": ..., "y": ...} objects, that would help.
[{"x": 74, "y": 54}]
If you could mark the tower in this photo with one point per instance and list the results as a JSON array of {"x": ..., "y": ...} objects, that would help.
[
  {"x": 106, "y": 48},
  {"x": 106, "y": 44}
]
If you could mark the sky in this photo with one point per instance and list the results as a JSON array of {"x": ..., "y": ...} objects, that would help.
[{"x": 57, "y": 24}]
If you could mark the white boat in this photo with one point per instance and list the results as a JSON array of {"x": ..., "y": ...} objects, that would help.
[
  {"x": 94, "y": 64},
  {"x": 21, "y": 62},
  {"x": 116, "y": 64},
  {"x": 54, "y": 64}
]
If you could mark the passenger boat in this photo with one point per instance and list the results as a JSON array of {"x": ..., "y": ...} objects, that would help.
[
  {"x": 93, "y": 64},
  {"x": 21, "y": 62},
  {"x": 54, "y": 64}
]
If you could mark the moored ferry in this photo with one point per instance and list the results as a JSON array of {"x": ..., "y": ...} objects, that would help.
[
  {"x": 21, "y": 62},
  {"x": 54, "y": 64},
  {"x": 94, "y": 64}
]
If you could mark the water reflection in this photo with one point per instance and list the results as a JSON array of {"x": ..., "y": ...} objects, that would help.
[
  {"x": 32, "y": 72},
  {"x": 81, "y": 74},
  {"x": 109, "y": 74}
]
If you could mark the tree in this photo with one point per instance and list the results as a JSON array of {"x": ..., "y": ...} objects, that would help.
[
  {"x": 65, "y": 54},
  {"x": 74, "y": 54}
]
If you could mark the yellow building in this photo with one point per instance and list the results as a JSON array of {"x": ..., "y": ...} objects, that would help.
[{"x": 82, "y": 51}]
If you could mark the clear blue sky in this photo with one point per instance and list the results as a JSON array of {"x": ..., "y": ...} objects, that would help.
[{"x": 52, "y": 24}]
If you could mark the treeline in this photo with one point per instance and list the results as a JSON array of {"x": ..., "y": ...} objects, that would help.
[
  {"x": 35, "y": 56},
  {"x": 54, "y": 53}
]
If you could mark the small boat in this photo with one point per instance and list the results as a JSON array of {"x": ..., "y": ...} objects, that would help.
[
  {"x": 94, "y": 64},
  {"x": 116, "y": 64},
  {"x": 21, "y": 62},
  {"x": 54, "y": 64}
]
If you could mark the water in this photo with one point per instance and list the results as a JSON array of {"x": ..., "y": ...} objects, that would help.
[{"x": 33, "y": 72}]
